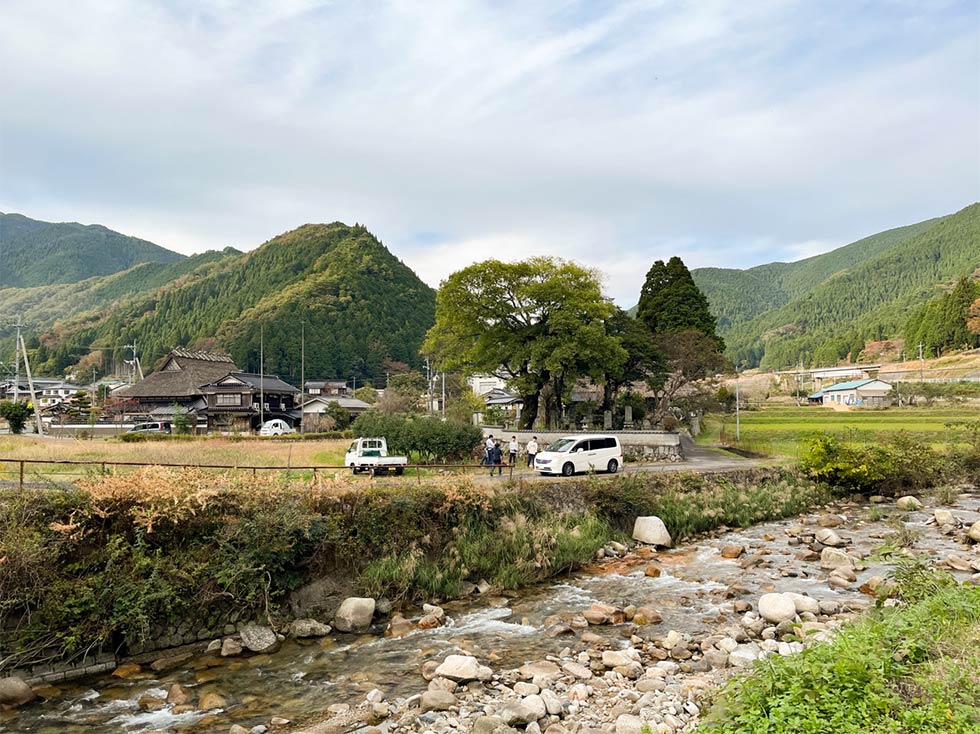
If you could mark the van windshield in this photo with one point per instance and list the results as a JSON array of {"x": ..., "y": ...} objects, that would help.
[{"x": 561, "y": 445}]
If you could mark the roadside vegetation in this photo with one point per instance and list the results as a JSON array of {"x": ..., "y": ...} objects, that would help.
[{"x": 908, "y": 668}]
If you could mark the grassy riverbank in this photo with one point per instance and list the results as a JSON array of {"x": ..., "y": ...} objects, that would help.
[
  {"x": 913, "y": 668},
  {"x": 112, "y": 559}
]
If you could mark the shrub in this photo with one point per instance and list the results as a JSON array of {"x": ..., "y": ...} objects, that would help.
[
  {"x": 429, "y": 438},
  {"x": 16, "y": 415}
]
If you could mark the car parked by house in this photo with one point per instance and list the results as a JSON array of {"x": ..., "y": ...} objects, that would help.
[
  {"x": 151, "y": 427},
  {"x": 588, "y": 453},
  {"x": 275, "y": 427}
]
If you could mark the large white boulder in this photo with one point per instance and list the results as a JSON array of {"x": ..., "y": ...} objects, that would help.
[
  {"x": 908, "y": 503},
  {"x": 650, "y": 529},
  {"x": 803, "y": 603},
  {"x": 355, "y": 614},
  {"x": 834, "y": 558},
  {"x": 463, "y": 668},
  {"x": 15, "y": 692},
  {"x": 777, "y": 608}
]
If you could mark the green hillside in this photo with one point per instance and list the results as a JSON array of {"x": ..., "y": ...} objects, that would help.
[
  {"x": 360, "y": 305},
  {"x": 738, "y": 296},
  {"x": 44, "y": 306},
  {"x": 35, "y": 253},
  {"x": 869, "y": 299}
]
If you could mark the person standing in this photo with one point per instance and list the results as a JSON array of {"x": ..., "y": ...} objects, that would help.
[
  {"x": 487, "y": 446},
  {"x": 512, "y": 451},
  {"x": 532, "y": 449},
  {"x": 495, "y": 458}
]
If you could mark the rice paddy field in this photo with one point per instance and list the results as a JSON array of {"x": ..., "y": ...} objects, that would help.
[{"x": 779, "y": 430}]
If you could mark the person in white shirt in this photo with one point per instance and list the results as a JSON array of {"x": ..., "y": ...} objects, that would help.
[
  {"x": 512, "y": 451},
  {"x": 532, "y": 449},
  {"x": 487, "y": 445}
]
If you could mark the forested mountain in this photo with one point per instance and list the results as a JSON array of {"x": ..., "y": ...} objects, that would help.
[
  {"x": 41, "y": 307},
  {"x": 863, "y": 295},
  {"x": 360, "y": 307},
  {"x": 737, "y": 296},
  {"x": 35, "y": 253}
]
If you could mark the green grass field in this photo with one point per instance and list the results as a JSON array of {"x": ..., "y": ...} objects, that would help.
[{"x": 780, "y": 430}]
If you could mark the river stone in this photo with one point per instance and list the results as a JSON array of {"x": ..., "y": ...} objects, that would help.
[
  {"x": 614, "y": 658},
  {"x": 540, "y": 667},
  {"x": 908, "y": 503},
  {"x": 833, "y": 558},
  {"x": 944, "y": 517},
  {"x": 958, "y": 563},
  {"x": 528, "y": 709},
  {"x": 974, "y": 532},
  {"x": 551, "y": 702},
  {"x": 308, "y": 628},
  {"x": 429, "y": 622},
  {"x": 650, "y": 529},
  {"x": 744, "y": 655},
  {"x": 804, "y": 603},
  {"x": 15, "y": 692},
  {"x": 732, "y": 550},
  {"x": 437, "y": 701},
  {"x": 210, "y": 701},
  {"x": 826, "y": 536},
  {"x": 629, "y": 724},
  {"x": 355, "y": 614},
  {"x": 776, "y": 607},
  {"x": 230, "y": 647},
  {"x": 177, "y": 695},
  {"x": 259, "y": 638},
  {"x": 491, "y": 725},
  {"x": 646, "y": 615},
  {"x": 127, "y": 671},
  {"x": 463, "y": 668},
  {"x": 829, "y": 520},
  {"x": 652, "y": 570},
  {"x": 604, "y": 614},
  {"x": 576, "y": 670}
]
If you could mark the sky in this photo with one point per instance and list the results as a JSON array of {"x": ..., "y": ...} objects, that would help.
[{"x": 610, "y": 133}]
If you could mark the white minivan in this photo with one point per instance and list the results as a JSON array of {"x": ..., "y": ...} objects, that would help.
[{"x": 580, "y": 453}]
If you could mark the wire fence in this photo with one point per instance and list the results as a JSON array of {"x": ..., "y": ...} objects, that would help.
[{"x": 22, "y": 471}]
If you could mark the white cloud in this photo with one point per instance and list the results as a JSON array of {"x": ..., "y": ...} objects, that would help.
[{"x": 730, "y": 133}]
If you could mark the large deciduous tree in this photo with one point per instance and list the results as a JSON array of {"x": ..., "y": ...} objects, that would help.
[
  {"x": 676, "y": 313},
  {"x": 536, "y": 323}
]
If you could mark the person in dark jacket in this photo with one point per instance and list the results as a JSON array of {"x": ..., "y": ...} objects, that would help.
[{"x": 496, "y": 459}]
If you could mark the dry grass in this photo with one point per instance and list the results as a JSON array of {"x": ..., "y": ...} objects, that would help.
[{"x": 210, "y": 451}]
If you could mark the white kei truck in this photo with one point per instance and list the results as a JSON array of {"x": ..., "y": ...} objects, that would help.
[{"x": 371, "y": 455}]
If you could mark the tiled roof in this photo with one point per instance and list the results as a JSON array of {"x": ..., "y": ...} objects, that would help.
[
  {"x": 193, "y": 370},
  {"x": 202, "y": 356}
]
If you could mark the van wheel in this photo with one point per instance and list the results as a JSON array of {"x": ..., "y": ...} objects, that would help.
[
  {"x": 399, "y": 471},
  {"x": 354, "y": 469},
  {"x": 568, "y": 469},
  {"x": 613, "y": 466}
]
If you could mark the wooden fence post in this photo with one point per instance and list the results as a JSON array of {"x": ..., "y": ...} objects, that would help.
[{"x": 22, "y": 475}]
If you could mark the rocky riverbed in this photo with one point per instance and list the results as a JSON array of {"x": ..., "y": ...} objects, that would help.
[{"x": 637, "y": 639}]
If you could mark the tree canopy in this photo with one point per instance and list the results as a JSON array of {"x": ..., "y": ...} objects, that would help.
[{"x": 537, "y": 323}]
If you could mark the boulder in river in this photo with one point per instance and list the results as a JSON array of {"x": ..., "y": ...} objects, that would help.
[
  {"x": 259, "y": 638},
  {"x": 463, "y": 668},
  {"x": 308, "y": 628},
  {"x": 827, "y": 537},
  {"x": 777, "y": 608},
  {"x": 355, "y": 614},
  {"x": 974, "y": 532},
  {"x": 230, "y": 647},
  {"x": 833, "y": 558},
  {"x": 650, "y": 529},
  {"x": 908, "y": 503},
  {"x": 437, "y": 701},
  {"x": 15, "y": 692},
  {"x": 604, "y": 614}
]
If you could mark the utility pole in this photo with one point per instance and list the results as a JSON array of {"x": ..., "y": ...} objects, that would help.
[
  {"x": 261, "y": 376},
  {"x": 17, "y": 326},
  {"x": 738, "y": 424},
  {"x": 30, "y": 383},
  {"x": 921, "y": 363},
  {"x": 444, "y": 395},
  {"x": 135, "y": 367},
  {"x": 302, "y": 373},
  {"x": 428, "y": 386}
]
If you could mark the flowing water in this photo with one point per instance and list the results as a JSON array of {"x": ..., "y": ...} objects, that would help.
[{"x": 694, "y": 594}]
